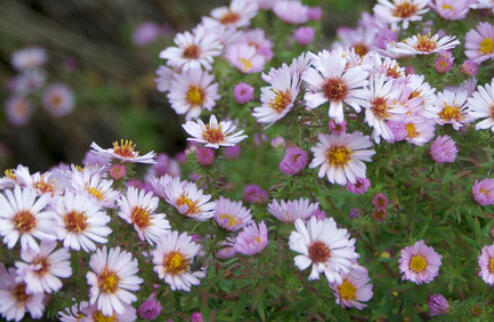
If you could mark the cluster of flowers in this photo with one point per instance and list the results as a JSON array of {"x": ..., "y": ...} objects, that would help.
[{"x": 57, "y": 98}]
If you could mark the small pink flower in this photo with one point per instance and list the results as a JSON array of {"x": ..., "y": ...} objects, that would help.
[
  {"x": 380, "y": 201},
  {"x": 252, "y": 239},
  {"x": 255, "y": 194},
  {"x": 379, "y": 214},
  {"x": 117, "y": 171},
  {"x": 150, "y": 309},
  {"x": 337, "y": 128},
  {"x": 243, "y": 93},
  {"x": 483, "y": 192},
  {"x": 304, "y": 35},
  {"x": 146, "y": 33},
  {"x": 470, "y": 68},
  {"x": 359, "y": 187},
  {"x": 444, "y": 63},
  {"x": 419, "y": 263},
  {"x": 294, "y": 161},
  {"x": 205, "y": 156},
  {"x": 438, "y": 305},
  {"x": 443, "y": 149},
  {"x": 196, "y": 317},
  {"x": 314, "y": 13}
]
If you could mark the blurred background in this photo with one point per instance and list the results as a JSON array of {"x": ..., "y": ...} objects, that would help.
[{"x": 106, "y": 52}]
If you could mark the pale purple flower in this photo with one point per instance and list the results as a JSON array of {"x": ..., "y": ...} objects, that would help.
[
  {"x": 232, "y": 152},
  {"x": 278, "y": 142},
  {"x": 289, "y": 211},
  {"x": 304, "y": 35},
  {"x": 231, "y": 215},
  {"x": 117, "y": 171},
  {"x": 255, "y": 194},
  {"x": 243, "y": 93},
  {"x": 384, "y": 37},
  {"x": 359, "y": 187},
  {"x": 294, "y": 161},
  {"x": 483, "y": 192},
  {"x": 205, "y": 156},
  {"x": 486, "y": 263},
  {"x": 18, "y": 110},
  {"x": 444, "y": 63},
  {"x": 451, "y": 9},
  {"x": 354, "y": 288},
  {"x": 419, "y": 263},
  {"x": 196, "y": 317},
  {"x": 252, "y": 239},
  {"x": 438, "y": 305},
  {"x": 146, "y": 33},
  {"x": 337, "y": 128},
  {"x": 479, "y": 43},
  {"x": 443, "y": 149},
  {"x": 380, "y": 201},
  {"x": 470, "y": 68},
  {"x": 291, "y": 11},
  {"x": 150, "y": 309},
  {"x": 354, "y": 213},
  {"x": 314, "y": 13},
  {"x": 409, "y": 70}
]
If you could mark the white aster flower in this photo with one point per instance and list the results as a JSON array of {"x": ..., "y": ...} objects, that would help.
[
  {"x": 173, "y": 259},
  {"x": 237, "y": 14},
  {"x": 15, "y": 177},
  {"x": 289, "y": 211},
  {"x": 125, "y": 152},
  {"x": 341, "y": 157},
  {"x": 138, "y": 208},
  {"x": 74, "y": 313},
  {"x": 112, "y": 280},
  {"x": 330, "y": 80},
  {"x": 450, "y": 108},
  {"x": 401, "y": 12},
  {"x": 193, "y": 91},
  {"x": 231, "y": 215},
  {"x": 90, "y": 182},
  {"x": 80, "y": 222},
  {"x": 421, "y": 45},
  {"x": 323, "y": 245},
  {"x": 163, "y": 80},
  {"x": 42, "y": 270},
  {"x": 481, "y": 106},
  {"x": 29, "y": 58},
  {"x": 23, "y": 215},
  {"x": 90, "y": 313},
  {"x": 214, "y": 134}
]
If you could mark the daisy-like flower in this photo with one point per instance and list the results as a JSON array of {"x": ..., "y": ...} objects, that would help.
[
  {"x": 214, "y": 134},
  {"x": 58, "y": 100},
  {"x": 41, "y": 183},
  {"x": 29, "y": 58},
  {"x": 483, "y": 192},
  {"x": 194, "y": 50},
  {"x": 360, "y": 39},
  {"x": 381, "y": 107},
  {"x": 14, "y": 177},
  {"x": 231, "y": 215},
  {"x": 486, "y": 263},
  {"x": 452, "y": 9},
  {"x": 15, "y": 301},
  {"x": 90, "y": 182},
  {"x": 323, "y": 245},
  {"x": 479, "y": 43},
  {"x": 193, "y": 91},
  {"x": 237, "y": 14},
  {"x": 481, "y": 106},
  {"x": 401, "y": 12},
  {"x": 125, "y": 152},
  {"x": 138, "y": 208},
  {"x": 289, "y": 211},
  {"x": 450, "y": 108},
  {"x": 173, "y": 259},
  {"x": 353, "y": 289},
  {"x": 291, "y": 11},
  {"x": 163, "y": 80},
  {"x": 341, "y": 157},
  {"x": 91, "y": 313},
  {"x": 80, "y": 222},
  {"x": 24, "y": 216},
  {"x": 186, "y": 198},
  {"x": 419, "y": 263},
  {"x": 245, "y": 58},
  {"x": 18, "y": 110},
  {"x": 252, "y": 239},
  {"x": 74, "y": 313},
  {"x": 278, "y": 98},
  {"x": 422, "y": 44},
  {"x": 329, "y": 79},
  {"x": 42, "y": 270},
  {"x": 113, "y": 279}
]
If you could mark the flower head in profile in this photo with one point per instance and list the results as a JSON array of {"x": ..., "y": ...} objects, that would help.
[
  {"x": 443, "y": 149},
  {"x": 231, "y": 215},
  {"x": 486, "y": 263},
  {"x": 290, "y": 211},
  {"x": 353, "y": 289},
  {"x": 255, "y": 194},
  {"x": 252, "y": 239},
  {"x": 341, "y": 157},
  {"x": 237, "y": 14},
  {"x": 149, "y": 309},
  {"x": 481, "y": 106},
  {"x": 245, "y": 58},
  {"x": 483, "y": 192},
  {"x": 419, "y": 263},
  {"x": 18, "y": 110},
  {"x": 173, "y": 259},
  {"x": 113, "y": 279},
  {"x": 400, "y": 12},
  {"x": 193, "y": 91},
  {"x": 438, "y": 305},
  {"x": 214, "y": 134},
  {"x": 89, "y": 181},
  {"x": 422, "y": 44},
  {"x": 124, "y": 151},
  {"x": 24, "y": 216},
  {"x": 479, "y": 43},
  {"x": 451, "y": 9},
  {"x": 451, "y": 108}
]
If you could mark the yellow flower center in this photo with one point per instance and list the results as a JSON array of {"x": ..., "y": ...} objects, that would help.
[
  {"x": 339, "y": 156},
  {"x": 192, "y": 208},
  {"x": 450, "y": 112},
  {"x": 485, "y": 192},
  {"x": 56, "y": 101},
  {"x": 124, "y": 149},
  {"x": 418, "y": 263},
  {"x": 360, "y": 49},
  {"x": 75, "y": 222},
  {"x": 405, "y": 10},
  {"x": 45, "y": 187},
  {"x": 95, "y": 192},
  {"x": 425, "y": 44},
  {"x": 140, "y": 217},
  {"x": 175, "y": 263},
  {"x": 492, "y": 112},
  {"x": 24, "y": 221},
  {"x": 213, "y": 135},
  {"x": 487, "y": 46},
  {"x": 108, "y": 281},
  {"x": 347, "y": 290},
  {"x": 491, "y": 265},
  {"x": 379, "y": 108},
  {"x": 258, "y": 239},
  {"x": 195, "y": 95},
  {"x": 447, "y": 7},
  {"x": 247, "y": 64},
  {"x": 411, "y": 131},
  {"x": 393, "y": 72},
  {"x": 99, "y": 317},
  {"x": 281, "y": 100},
  {"x": 232, "y": 221},
  {"x": 9, "y": 173}
]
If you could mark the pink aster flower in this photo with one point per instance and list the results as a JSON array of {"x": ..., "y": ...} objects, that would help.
[
  {"x": 205, "y": 156},
  {"x": 294, "y": 161},
  {"x": 444, "y": 63},
  {"x": 380, "y": 201},
  {"x": 150, "y": 309},
  {"x": 486, "y": 263},
  {"x": 353, "y": 289},
  {"x": 419, "y": 263},
  {"x": 245, "y": 58},
  {"x": 479, "y": 43},
  {"x": 117, "y": 171},
  {"x": 359, "y": 187},
  {"x": 255, "y": 194},
  {"x": 243, "y": 93},
  {"x": 469, "y": 68},
  {"x": 443, "y": 149},
  {"x": 400, "y": 11},
  {"x": 252, "y": 239},
  {"x": 289, "y": 211},
  {"x": 231, "y": 215},
  {"x": 451, "y": 9},
  {"x": 314, "y": 13},
  {"x": 483, "y": 192},
  {"x": 438, "y": 305},
  {"x": 291, "y": 11},
  {"x": 304, "y": 35}
]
